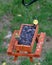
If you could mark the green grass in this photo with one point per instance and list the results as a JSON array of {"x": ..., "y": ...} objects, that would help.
[
  {"x": 41, "y": 10},
  {"x": 48, "y": 59},
  {"x": 2, "y": 34},
  {"x": 34, "y": 47},
  {"x": 26, "y": 62}
]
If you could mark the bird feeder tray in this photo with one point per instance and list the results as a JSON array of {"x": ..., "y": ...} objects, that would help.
[
  {"x": 23, "y": 47},
  {"x": 26, "y": 48}
]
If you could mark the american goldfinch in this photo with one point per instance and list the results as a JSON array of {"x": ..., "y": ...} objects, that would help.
[
  {"x": 35, "y": 22},
  {"x": 4, "y": 63}
]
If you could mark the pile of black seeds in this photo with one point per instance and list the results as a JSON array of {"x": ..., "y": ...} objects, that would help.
[{"x": 27, "y": 34}]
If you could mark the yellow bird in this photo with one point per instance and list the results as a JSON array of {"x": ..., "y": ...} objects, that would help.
[
  {"x": 17, "y": 36},
  {"x": 35, "y": 22},
  {"x": 4, "y": 63}
]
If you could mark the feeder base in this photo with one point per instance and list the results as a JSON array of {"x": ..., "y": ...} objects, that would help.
[{"x": 37, "y": 53}]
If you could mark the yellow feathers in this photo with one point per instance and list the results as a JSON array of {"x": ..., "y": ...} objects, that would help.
[
  {"x": 4, "y": 63},
  {"x": 35, "y": 22}
]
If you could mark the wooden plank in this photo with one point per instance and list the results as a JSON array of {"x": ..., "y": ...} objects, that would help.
[
  {"x": 12, "y": 42},
  {"x": 40, "y": 44}
]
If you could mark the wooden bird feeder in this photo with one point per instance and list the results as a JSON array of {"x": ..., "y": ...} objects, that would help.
[{"x": 15, "y": 49}]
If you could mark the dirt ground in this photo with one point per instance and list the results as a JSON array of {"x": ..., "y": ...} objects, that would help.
[
  {"x": 5, "y": 21},
  {"x": 8, "y": 59}
]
